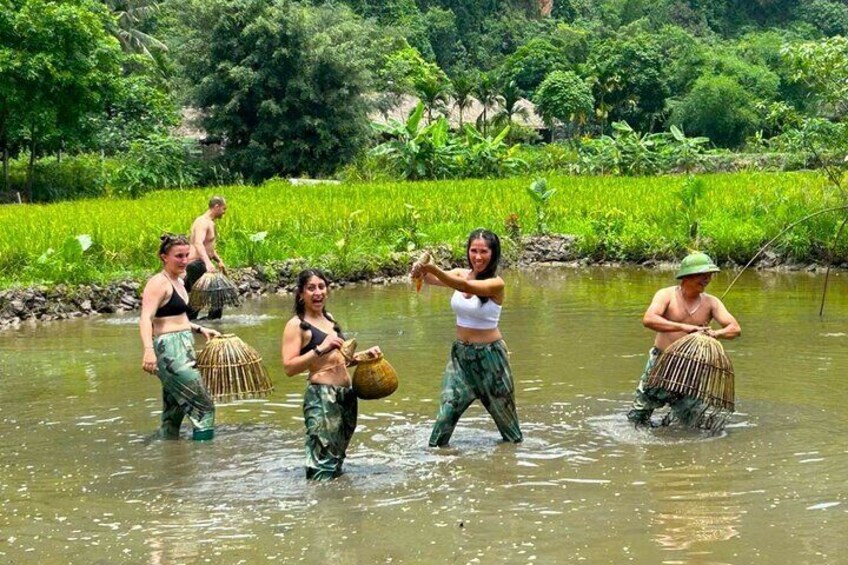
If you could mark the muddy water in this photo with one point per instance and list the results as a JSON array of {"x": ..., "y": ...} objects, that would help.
[{"x": 81, "y": 479}]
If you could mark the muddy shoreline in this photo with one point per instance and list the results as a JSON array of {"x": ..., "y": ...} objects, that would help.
[{"x": 45, "y": 304}]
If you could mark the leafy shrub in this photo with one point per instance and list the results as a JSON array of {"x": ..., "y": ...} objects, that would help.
[
  {"x": 68, "y": 178},
  {"x": 75, "y": 262},
  {"x": 158, "y": 162},
  {"x": 720, "y": 108}
]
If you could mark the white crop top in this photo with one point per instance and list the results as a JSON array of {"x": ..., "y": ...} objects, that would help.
[{"x": 471, "y": 314}]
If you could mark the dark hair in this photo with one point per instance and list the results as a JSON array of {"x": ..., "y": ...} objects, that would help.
[
  {"x": 300, "y": 307},
  {"x": 494, "y": 245},
  {"x": 169, "y": 240}
]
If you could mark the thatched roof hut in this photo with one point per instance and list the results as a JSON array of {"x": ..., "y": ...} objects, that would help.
[{"x": 407, "y": 104}]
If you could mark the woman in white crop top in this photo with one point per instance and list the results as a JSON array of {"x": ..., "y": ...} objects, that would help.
[{"x": 479, "y": 366}]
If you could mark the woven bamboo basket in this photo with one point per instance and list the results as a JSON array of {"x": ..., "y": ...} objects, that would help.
[
  {"x": 374, "y": 378},
  {"x": 213, "y": 291},
  {"x": 696, "y": 366},
  {"x": 232, "y": 370}
]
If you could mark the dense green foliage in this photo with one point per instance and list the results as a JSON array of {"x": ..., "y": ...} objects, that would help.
[
  {"x": 286, "y": 87},
  {"x": 355, "y": 226},
  {"x": 281, "y": 83},
  {"x": 564, "y": 97},
  {"x": 67, "y": 86}
]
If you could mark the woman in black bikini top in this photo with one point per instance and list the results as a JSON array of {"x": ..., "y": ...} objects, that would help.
[{"x": 311, "y": 342}]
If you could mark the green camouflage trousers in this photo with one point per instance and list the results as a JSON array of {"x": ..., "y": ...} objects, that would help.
[
  {"x": 647, "y": 399},
  {"x": 329, "y": 413},
  {"x": 477, "y": 370},
  {"x": 183, "y": 393}
]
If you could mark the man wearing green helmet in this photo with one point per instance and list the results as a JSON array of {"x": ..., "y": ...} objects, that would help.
[{"x": 674, "y": 312}]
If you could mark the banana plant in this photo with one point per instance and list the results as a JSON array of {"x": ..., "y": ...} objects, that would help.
[
  {"x": 418, "y": 152},
  {"x": 541, "y": 196}
]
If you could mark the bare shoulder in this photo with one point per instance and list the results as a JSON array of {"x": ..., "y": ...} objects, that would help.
[
  {"x": 200, "y": 223},
  {"x": 665, "y": 294},
  {"x": 294, "y": 322},
  {"x": 155, "y": 284},
  {"x": 713, "y": 301}
]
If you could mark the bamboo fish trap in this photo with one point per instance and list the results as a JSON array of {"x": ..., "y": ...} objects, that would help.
[
  {"x": 232, "y": 370},
  {"x": 696, "y": 366},
  {"x": 213, "y": 291},
  {"x": 374, "y": 378}
]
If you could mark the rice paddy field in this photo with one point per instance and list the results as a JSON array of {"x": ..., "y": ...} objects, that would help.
[{"x": 346, "y": 227}]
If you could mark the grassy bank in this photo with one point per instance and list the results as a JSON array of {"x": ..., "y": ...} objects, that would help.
[{"x": 347, "y": 226}]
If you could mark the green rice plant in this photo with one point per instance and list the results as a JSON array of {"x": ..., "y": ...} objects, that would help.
[{"x": 634, "y": 218}]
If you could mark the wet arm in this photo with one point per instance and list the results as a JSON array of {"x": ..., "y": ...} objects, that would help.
[
  {"x": 729, "y": 326},
  {"x": 293, "y": 362},
  {"x": 150, "y": 299},
  {"x": 455, "y": 279}
]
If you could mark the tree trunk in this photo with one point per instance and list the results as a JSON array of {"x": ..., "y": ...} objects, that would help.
[
  {"x": 30, "y": 169},
  {"x": 6, "y": 187}
]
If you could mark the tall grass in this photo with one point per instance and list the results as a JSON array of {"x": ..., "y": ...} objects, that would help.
[{"x": 342, "y": 226}]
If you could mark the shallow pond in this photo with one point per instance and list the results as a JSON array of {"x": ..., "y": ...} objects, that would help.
[{"x": 81, "y": 479}]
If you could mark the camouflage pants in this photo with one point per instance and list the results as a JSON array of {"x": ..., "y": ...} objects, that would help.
[
  {"x": 329, "y": 413},
  {"x": 647, "y": 399},
  {"x": 194, "y": 271},
  {"x": 477, "y": 370},
  {"x": 183, "y": 393}
]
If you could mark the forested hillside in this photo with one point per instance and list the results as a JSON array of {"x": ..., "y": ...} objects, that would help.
[{"x": 93, "y": 91}]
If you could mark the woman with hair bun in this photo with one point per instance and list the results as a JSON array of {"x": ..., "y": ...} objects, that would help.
[
  {"x": 479, "y": 364},
  {"x": 169, "y": 347}
]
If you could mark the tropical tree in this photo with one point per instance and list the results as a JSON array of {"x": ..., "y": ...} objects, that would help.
[
  {"x": 631, "y": 79},
  {"x": 57, "y": 66},
  {"x": 281, "y": 82},
  {"x": 463, "y": 92},
  {"x": 487, "y": 94},
  {"x": 532, "y": 62},
  {"x": 719, "y": 108},
  {"x": 434, "y": 92},
  {"x": 510, "y": 98},
  {"x": 822, "y": 67},
  {"x": 563, "y": 97},
  {"x": 130, "y": 16}
]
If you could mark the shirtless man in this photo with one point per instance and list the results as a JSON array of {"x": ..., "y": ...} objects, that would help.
[
  {"x": 202, "y": 251},
  {"x": 674, "y": 312}
]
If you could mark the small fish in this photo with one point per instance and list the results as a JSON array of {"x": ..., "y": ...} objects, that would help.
[{"x": 423, "y": 260}]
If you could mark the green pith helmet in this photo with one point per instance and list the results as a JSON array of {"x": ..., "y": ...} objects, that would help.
[{"x": 695, "y": 264}]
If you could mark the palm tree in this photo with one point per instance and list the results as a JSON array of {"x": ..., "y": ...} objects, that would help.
[
  {"x": 463, "y": 89},
  {"x": 129, "y": 15},
  {"x": 487, "y": 95},
  {"x": 434, "y": 93},
  {"x": 509, "y": 97}
]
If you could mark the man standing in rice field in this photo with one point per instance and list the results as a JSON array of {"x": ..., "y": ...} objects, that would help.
[
  {"x": 203, "y": 252},
  {"x": 674, "y": 312}
]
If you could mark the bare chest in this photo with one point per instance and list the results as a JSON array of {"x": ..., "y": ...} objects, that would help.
[{"x": 696, "y": 312}]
